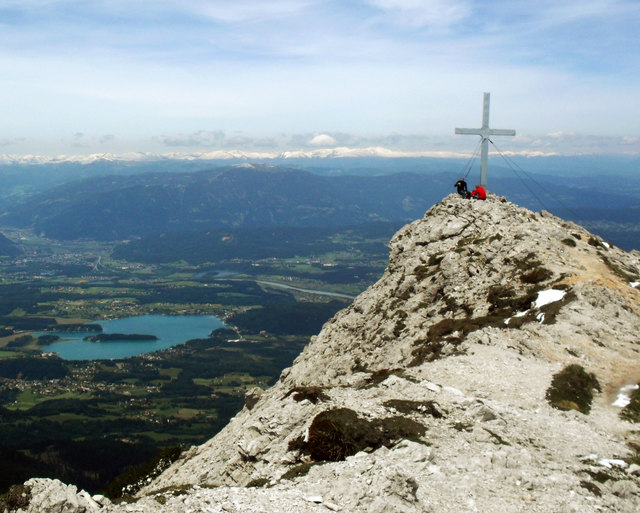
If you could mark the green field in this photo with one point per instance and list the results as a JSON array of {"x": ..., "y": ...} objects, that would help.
[
  {"x": 59, "y": 418},
  {"x": 27, "y": 399}
]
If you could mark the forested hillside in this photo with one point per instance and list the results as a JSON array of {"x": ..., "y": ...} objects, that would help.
[{"x": 118, "y": 207}]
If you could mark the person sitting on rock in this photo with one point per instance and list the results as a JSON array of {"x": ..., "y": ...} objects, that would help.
[
  {"x": 479, "y": 193},
  {"x": 461, "y": 188}
]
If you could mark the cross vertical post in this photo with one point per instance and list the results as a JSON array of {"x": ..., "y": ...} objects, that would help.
[{"x": 484, "y": 132}]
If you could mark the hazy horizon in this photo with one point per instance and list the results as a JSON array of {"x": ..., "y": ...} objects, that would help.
[{"x": 193, "y": 76}]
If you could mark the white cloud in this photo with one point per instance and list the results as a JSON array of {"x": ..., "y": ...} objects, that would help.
[
  {"x": 425, "y": 13},
  {"x": 322, "y": 140},
  {"x": 235, "y": 11},
  {"x": 368, "y": 73},
  {"x": 201, "y": 138},
  {"x": 560, "y": 135}
]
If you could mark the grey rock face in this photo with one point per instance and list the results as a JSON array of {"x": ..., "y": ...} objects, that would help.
[
  {"x": 441, "y": 369},
  {"x": 53, "y": 496}
]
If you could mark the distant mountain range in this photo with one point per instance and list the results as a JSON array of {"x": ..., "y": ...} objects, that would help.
[
  {"x": 123, "y": 207},
  {"x": 327, "y": 157},
  {"x": 27, "y": 175},
  {"x": 228, "y": 155},
  {"x": 135, "y": 202}
]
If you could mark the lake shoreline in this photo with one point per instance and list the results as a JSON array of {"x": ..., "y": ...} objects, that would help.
[{"x": 168, "y": 330}]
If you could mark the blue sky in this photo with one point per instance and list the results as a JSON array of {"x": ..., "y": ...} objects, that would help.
[{"x": 165, "y": 76}]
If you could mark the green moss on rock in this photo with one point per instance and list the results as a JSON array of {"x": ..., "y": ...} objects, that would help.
[
  {"x": 423, "y": 407},
  {"x": 592, "y": 487},
  {"x": 18, "y": 497},
  {"x": 336, "y": 434},
  {"x": 452, "y": 332},
  {"x": 259, "y": 482},
  {"x": 380, "y": 375},
  {"x": 313, "y": 394},
  {"x": 400, "y": 325},
  {"x": 425, "y": 351},
  {"x": 527, "y": 262},
  {"x": 594, "y": 242},
  {"x": 502, "y": 297},
  {"x": 631, "y": 411},
  {"x": 298, "y": 471},
  {"x": 572, "y": 389},
  {"x": 537, "y": 275}
]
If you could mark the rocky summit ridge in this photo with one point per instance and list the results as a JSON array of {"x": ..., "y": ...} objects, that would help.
[{"x": 431, "y": 391}]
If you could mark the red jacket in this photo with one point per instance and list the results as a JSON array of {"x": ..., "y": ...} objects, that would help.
[{"x": 479, "y": 192}]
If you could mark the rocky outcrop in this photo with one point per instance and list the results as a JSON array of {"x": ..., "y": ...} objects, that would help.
[
  {"x": 53, "y": 496},
  {"x": 429, "y": 393}
]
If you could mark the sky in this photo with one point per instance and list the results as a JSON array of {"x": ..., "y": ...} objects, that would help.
[{"x": 81, "y": 77}]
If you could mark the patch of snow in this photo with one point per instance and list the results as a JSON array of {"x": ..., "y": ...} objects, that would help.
[
  {"x": 610, "y": 463},
  {"x": 605, "y": 462},
  {"x": 549, "y": 296},
  {"x": 634, "y": 284},
  {"x": 606, "y": 244},
  {"x": 624, "y": 396},
  {"x": 331, "y": 152},
  {"x": 540, "y": 317},
  {"x": 519, "y": 314}
]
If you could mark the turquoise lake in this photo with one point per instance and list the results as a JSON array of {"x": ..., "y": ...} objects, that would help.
[{"x": 170, "y": 330}]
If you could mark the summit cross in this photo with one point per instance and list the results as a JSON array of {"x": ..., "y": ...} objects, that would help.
[{"x": 484, "y": 132}]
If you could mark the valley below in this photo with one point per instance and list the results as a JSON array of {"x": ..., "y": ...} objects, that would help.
[{"x": 97, "y": 421}]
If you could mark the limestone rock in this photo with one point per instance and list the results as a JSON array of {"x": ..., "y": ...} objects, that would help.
[
  {"x": 252, "y": 396},
  {"x": 53, "y": 496},
  {"x": 443, "y": 367}
]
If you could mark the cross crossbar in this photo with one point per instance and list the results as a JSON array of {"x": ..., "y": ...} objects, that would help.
[{"x": 485, "y": 132}]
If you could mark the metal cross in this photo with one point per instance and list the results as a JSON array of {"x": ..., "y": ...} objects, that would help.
[{"x": 484, "y": 132}]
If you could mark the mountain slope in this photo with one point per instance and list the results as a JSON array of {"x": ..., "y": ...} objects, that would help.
[
  {"x": 8, "y": 247},
  {"x": 175, "y": 198},
  {"x": 429, "y": 393},
  {"x": 122, "y": 207}
]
